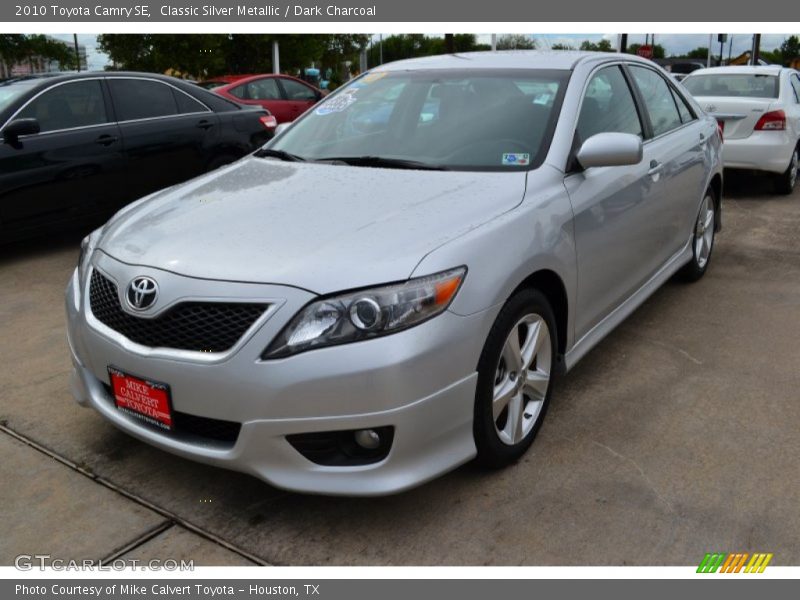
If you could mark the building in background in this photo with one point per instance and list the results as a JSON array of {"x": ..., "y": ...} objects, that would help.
[{"x": 37, "y": 64}]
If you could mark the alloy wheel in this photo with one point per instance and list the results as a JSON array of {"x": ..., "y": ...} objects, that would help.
[{"x": 704, "y": 232}]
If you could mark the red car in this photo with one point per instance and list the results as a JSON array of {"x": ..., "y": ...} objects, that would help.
[{"x": 284, "y": 96}]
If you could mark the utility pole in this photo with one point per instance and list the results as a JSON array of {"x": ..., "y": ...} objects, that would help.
[
  {"x": 756, "y": 48},
  {"x": 623, "y": 43},
  {"x": 494, "y": 42},
  {"x": 708, "y": 56},
  {"x": 276, "y": 57},
  {"x": 77, "y": 52}
]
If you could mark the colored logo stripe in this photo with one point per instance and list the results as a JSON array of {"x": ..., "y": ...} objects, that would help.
[{"x": 733, "y": 562}]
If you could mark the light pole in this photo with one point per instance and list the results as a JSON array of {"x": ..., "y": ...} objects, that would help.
[{"x": 77, "y": 52}]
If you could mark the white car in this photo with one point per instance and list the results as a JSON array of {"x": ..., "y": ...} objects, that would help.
[{"x": 759, "y": 111}]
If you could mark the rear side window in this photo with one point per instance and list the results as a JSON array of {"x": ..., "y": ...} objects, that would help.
[
  {"x": 142, "y": 99},
  {"x": 608, "y": 106},
  {"x": 795, "y": 80},
  {"x": 77, "y": 104},
  {"x": 187, "y": 104},
  {"x": 658, "y": 100},
  {"x": 297, "y": 91},
  {"x": 683, "y": 108},
  {"x": 736, "y": 85}
]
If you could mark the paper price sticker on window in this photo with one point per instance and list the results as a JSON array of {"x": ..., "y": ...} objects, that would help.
[
  {"x": 515, "y": 159},
  {"x": 338, "y": 103}
]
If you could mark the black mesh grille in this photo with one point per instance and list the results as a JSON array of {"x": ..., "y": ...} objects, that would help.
[{"x": 199, "y": 326}]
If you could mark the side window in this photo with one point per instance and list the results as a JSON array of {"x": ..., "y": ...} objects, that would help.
[
  {"x": 658, "y": 99},
  {"x": 263, "y": 89},
  {"x": 240, "y": 91},
  {"x": 297, "y": 91},
  {"x": 77, "y": 104},
  {"x": 187, "y": 104},
  {"x": 683, "y": 108},
  {"x": 141, "y": 99},
  {"x": 796, "y": 87},
  {"x": 608, "y": 106}
]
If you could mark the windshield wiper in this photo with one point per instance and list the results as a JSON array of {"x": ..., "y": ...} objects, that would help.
[
  {"x": 381, "y": 161},
  {"x": 281, "y": 154}
]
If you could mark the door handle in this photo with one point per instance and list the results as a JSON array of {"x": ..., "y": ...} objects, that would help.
[
  {"x": 655, "y": 167},
  {"x": 205, "y": 124},
  {"x": 106, "y": 140}
]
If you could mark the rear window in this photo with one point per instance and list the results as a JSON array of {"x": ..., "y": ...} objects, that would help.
[{"x": 733, "y": 85}]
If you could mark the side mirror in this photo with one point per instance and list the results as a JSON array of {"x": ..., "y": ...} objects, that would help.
[
  {"x": 20, "y": 127},
  {"x": 282, "y": 127},
  {"x": 610, "y": 150}
]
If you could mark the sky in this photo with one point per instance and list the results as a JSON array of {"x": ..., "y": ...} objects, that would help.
[{"x": 677, "y": 43}]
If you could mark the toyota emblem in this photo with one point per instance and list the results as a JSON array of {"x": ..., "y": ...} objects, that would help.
[{"x": 142, "y": 293}]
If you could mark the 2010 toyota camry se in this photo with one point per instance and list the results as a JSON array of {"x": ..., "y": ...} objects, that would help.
[{"x": 386, "y": 290}]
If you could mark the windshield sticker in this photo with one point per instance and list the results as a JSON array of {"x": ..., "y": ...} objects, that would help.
[
  {"x": 515, "y": 159},
  {"x": 338, "y": 103}
]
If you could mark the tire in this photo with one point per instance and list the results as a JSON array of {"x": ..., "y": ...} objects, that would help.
[
  {"x": 785, "y": 182},
  {"x": 530, "y": 317},
  {"x": 702, "y": 240}
]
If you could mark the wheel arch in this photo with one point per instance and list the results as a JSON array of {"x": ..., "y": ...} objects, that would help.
[{"x": 552, "y": 286}]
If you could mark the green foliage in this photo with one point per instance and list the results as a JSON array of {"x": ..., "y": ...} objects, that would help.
[
  {"x": 560, "y": 46},
  {"x": 790, "y": 49},
  {"x": 207, "y": 55},
  {"x": 516, "y": 41},
  {"x": 16, "y": 48},
  {"x": 699, "y": 52},
  {"x": 601, "y": 46},
  {"x": 398, "y": 47}
]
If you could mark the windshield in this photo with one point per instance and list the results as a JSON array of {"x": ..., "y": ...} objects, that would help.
[
  {"x": 455, "y": 119},
  {"x": 734, "y": 85},
  {"x": 9, "y": 92}
]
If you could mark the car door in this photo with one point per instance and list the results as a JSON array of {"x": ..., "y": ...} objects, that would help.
[
  {"x": 264, "y": 92},
  {"x": 616, "y": 209},
  {"x": 167, "y": 136},
  {"x": 676, "y": 156},
  {"x": 793, "y": 109},
  {"x": 299, "y": 96},
  {"x": 71, "y": 167}
]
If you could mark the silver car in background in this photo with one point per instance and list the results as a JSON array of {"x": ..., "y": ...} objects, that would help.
[{"x": 387, "y": 289}]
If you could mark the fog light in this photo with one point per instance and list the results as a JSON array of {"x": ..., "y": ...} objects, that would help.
[{"x": 368, "y": 439}]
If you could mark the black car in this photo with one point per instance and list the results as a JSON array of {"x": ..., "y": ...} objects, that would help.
[{"x": 80, "y": 146}]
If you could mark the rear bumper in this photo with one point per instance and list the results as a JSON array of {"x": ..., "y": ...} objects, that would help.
[{"x": 769, "y": 151}]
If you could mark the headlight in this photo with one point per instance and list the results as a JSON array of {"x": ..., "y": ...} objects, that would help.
[
  {"x": 366, "y": 314},
  {"x": 88, "y": 245}
]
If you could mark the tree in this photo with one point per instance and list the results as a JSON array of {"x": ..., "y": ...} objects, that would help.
[
  {"x": 699, "y": 52},
  {"x": 560, "y": 46},
  {"x": 602, "y": 46},
  {"x": 398, "y": 47},
  {"x": 16, "y": 48},
  {"x": 790, "y": 49},
  {"x": 516, "y": 41}
]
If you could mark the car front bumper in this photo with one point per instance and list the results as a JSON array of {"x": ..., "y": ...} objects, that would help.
[
  {"x": 769, "y": 151},
  {"x": 420, "y": 381}
]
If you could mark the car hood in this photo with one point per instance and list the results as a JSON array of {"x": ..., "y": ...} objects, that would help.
[{"x": 320, "y": 227}]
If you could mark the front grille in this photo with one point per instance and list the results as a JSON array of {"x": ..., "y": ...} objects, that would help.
[
  {"x": 188, "y": 426},
  {"x": 199, "y": 326}
]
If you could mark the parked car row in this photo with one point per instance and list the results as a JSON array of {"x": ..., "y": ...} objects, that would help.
[
  {"x": 80, "y": 146},
  {"x": 486, "y": 220}
]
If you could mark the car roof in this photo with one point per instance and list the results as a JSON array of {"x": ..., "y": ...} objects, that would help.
[
  {"x": 509, "y": 59},
  {"x": 44, "y": 79},
  {"x": 740, "y": 70}
]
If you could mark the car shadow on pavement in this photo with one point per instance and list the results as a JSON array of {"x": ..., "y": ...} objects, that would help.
[
  {"x": 745, "y": 184},
  {"x": 42, "y": 246}
]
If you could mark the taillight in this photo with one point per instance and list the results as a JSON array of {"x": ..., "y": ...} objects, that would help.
[
  {"x": 721, "y": 129},
  {"x": 774, "y": 120},
  {"x": 269, "y": 121}
]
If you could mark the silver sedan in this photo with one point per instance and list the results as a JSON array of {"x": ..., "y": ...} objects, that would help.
[{"x": 388, "y": 288}]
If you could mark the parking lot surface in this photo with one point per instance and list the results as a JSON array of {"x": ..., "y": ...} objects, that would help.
[{"x": 678, "y": 435}]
